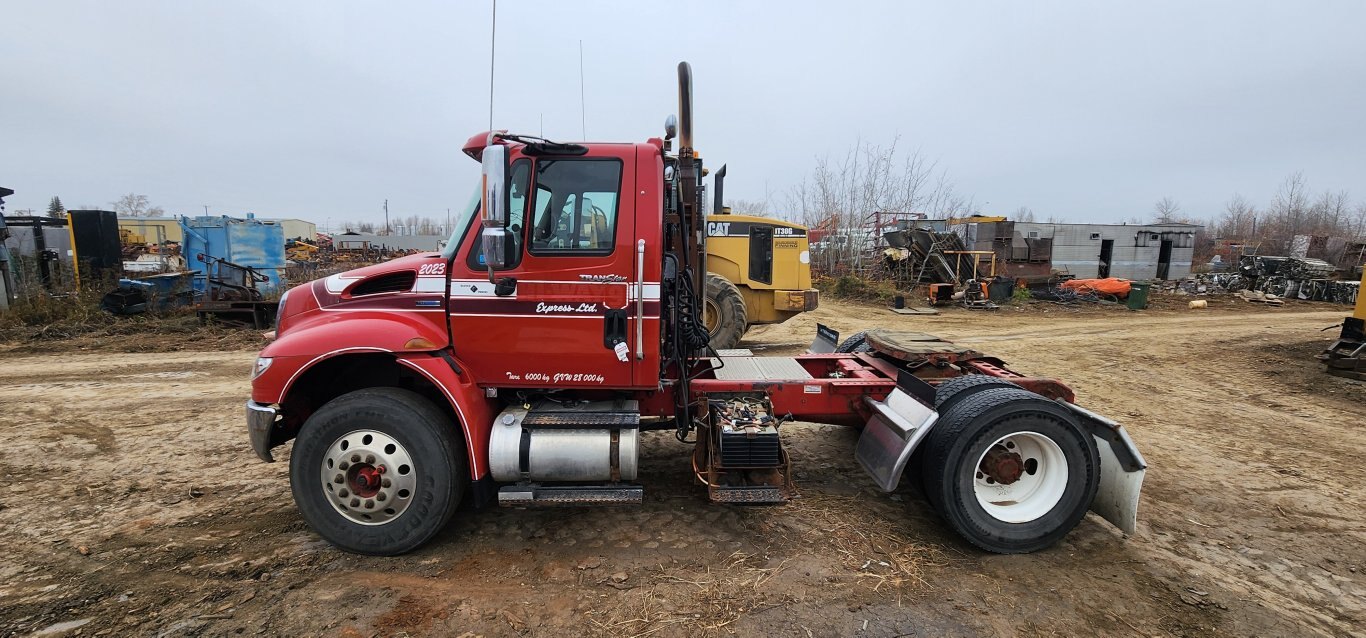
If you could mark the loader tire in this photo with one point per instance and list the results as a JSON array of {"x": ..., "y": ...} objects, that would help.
[
  {"x": 726, "y": 320},
  {"x": 1035, "y": 487},
  {"x": 378, "y": 471}
]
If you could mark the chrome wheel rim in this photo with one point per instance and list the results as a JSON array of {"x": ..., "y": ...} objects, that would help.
[{"x": 368, "y": 477}]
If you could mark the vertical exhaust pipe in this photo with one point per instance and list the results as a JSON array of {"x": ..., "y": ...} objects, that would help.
[
  {"x": 685, "y": 109},
  {"x": 720, "y": 183}
]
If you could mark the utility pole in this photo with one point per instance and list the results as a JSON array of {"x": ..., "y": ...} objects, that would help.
[
  {"x": 206, "y": 210},
  {"x": 386, "y": 217},
  {"x": 448, "y": 222}
]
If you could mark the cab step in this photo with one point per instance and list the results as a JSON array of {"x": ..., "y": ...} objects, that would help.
[
  {"x": 569, "y": 495},
  {"x": 748, "y": 494}
]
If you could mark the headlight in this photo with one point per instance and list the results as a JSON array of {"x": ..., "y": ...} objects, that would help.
[{"x": 262, "y": 364}]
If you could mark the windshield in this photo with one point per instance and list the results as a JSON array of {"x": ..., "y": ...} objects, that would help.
[{"x": 462, "y": 224}]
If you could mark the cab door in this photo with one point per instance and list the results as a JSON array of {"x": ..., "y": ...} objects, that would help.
[{"x": 566, "y": 322}]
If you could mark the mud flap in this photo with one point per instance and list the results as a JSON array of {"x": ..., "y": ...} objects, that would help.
[
  {"x": 825, "y": 342},
  {"x": 1117, "y": 498},
  {"x": 897, "y": 426},
  {"x": 1122, "y": 469}
]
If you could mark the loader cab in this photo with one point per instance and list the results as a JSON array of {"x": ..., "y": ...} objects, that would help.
[{"x": 554, "y": 281}]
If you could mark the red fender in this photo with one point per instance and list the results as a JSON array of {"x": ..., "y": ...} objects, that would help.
[
  {"x": 475, "y": 411},
  {"x": 324, "y": 331}
]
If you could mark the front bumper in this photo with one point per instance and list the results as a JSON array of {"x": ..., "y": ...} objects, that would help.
[
  {"x": 261, "y": 426},
  {"x": 796, "y": 300}
]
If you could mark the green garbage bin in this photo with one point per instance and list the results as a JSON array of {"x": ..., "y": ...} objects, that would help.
[{"x": 1138, "y": 295}]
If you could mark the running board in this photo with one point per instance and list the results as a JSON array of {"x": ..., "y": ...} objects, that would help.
[
  {"x": 562, "y": 495},
  {"x": 755, "y": 494}
]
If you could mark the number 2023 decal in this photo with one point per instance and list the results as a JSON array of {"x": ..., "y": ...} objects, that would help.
[{"x": 432, "y": 269}]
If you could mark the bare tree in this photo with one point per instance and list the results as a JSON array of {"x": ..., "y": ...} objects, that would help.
[
  {"x": 1023, "y": 214},
  {"x": 134, "y": 205},
  {"x": 1239, "y": 220},
  {"x": 1166, "y": 210},
  {"x": 844, "y": 201},
  {"x": 1290, "y": 205},
  {"x": 758, "y": 208},
  {"x": 1329, "y": 213}
]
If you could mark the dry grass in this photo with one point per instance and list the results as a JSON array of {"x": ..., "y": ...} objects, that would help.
[
  {"x": 708, "y": 599},
  {"x": 712, "y": 598},
  {"x": 884, "y": 557},
  {"x": 43, "y": 323}
]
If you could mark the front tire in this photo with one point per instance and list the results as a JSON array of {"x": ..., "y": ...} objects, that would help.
[
  {"x": 378, "y": 471},
  {"x": 726, "y": 320},
  {"x": 1011, "y": 471}
]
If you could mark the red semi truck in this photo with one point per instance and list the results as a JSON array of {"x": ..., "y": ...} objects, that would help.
[{"x": 564, "y": 321}]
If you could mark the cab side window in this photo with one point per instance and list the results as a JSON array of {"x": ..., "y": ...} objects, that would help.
[
  {"x": 575, "y": 207},
  {"x": 519, "y": 181}
]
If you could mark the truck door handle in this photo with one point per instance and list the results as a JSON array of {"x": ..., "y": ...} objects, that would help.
[{"x": 613, "y": 328}]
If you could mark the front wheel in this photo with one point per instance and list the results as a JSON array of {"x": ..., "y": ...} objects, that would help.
[
  {"x": 378, "y": 471},
  {"x": 1011, "y": 471},
  {"x": 725, "y": 313}
]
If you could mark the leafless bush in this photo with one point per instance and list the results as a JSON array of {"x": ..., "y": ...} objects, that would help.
[{"x": 842, "y": 201}]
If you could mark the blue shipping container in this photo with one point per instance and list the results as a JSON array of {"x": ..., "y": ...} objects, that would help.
[{"x": 245, "y": 242}]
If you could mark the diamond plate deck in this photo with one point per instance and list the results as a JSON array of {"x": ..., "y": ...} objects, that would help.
[
  {"x": 540, "y": 495},
  {"x": 761, "y": 368},
  {"x": 735, "y": 352},
  {"x": 594, "y": 414},
  {"x": 748, "y": 494}
]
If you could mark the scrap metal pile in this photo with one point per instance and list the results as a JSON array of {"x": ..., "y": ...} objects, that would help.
[
  {"x": 917, "y": 256},
  {"x": 1289, "y": 277}
]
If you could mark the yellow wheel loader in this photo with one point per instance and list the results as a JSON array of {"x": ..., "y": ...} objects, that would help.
[
  {"x": 758, "y": 272},
  {"x": 1347, "y": 356}
]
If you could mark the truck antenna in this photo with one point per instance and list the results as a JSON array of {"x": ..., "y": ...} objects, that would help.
[
  {"x": 493, "y": 41},
  {"x": 583, "y": 115}
]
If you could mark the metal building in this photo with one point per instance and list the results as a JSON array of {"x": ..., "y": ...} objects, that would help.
[{"x": 1130, "y": 251}]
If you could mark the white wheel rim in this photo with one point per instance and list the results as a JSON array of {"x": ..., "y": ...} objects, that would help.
[
  {"x": 382, "y": 459},
  {"x": 1039, "y": 486}
]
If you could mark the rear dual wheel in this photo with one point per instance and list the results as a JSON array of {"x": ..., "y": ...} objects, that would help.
[
  {"x": 378, "y": 471},
  {"x": 1009, "y": 470}
]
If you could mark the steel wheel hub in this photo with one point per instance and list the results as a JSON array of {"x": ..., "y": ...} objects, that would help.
[
  {"x": 1020, "y": 477},
  {"x": 368, "y": 477}
]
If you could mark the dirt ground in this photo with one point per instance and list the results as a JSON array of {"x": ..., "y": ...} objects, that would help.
[{"x": 132, "y": 505}]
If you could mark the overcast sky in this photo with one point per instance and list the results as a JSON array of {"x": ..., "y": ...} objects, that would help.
[{"x": 1089, "y": 111}]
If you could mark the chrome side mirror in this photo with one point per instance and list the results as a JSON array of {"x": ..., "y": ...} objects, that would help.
[{"x": 493, "y": 207}]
